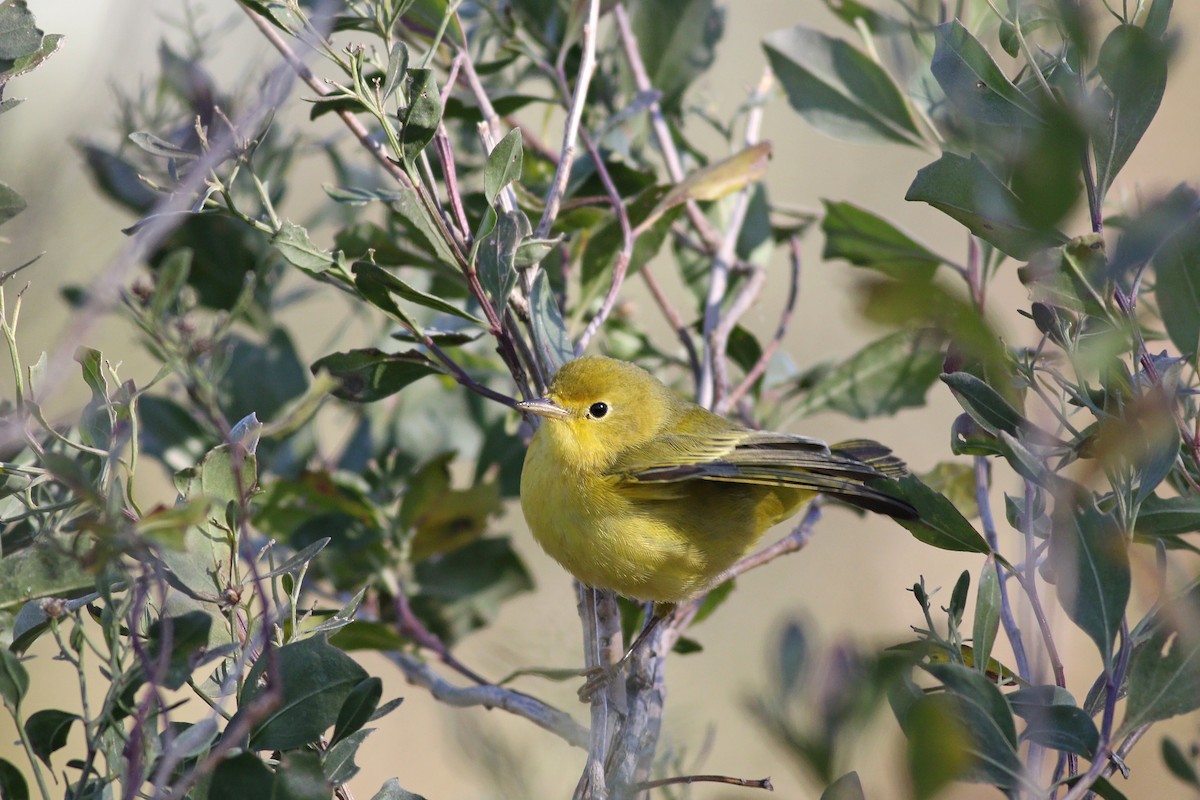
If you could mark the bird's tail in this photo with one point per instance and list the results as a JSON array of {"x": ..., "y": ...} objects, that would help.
[{"x": 889, "y": 466}]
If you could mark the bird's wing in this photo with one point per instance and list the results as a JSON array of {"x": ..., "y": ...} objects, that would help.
[{"x": 768, "y": 459}]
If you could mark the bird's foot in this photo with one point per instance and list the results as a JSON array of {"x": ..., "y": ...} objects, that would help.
[{"x": 597, "y": 680}]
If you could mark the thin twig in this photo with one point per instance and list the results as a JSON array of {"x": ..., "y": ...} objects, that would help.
[
  {"x": 673, "y": 318},
  {"x": 769, "y": 349},
  {"x": 375, "y": 148},
  {"x": 624, "y": 256},
  {"x": 717, "y": 326},
  {"x": 489, "y": 696},
  {"x": 1007, "y": 619},
  {"x": 587, "y": 66},
  {"x": 795, "y": 541},
  {"x": 750, "y": 783},
  {"x": 658, "y": 122}
]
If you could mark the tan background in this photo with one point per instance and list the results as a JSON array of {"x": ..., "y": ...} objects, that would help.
[{"x": 852, "y": 580}]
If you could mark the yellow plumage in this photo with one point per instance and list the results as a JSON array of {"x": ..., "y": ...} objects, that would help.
[{"x": 633, "y": 488}]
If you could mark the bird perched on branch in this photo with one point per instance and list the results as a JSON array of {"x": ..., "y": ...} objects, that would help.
[{"x": 633, "y": 488}]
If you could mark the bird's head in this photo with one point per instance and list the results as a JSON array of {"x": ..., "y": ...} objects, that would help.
[{"x": 597, "y": 408}]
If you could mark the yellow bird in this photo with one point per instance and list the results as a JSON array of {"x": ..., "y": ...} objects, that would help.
[{"x": 633, "y": 488}]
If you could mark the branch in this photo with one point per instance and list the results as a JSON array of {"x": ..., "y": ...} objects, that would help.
[
  {"x": 785, "y": 319},
  {"x": 587, "y": 66},
  {"x": 713, "y": 384},
  {"x": 539, "y": 713},
  {"x": 752, "y": 783},
  {"x": 305, "y": 74},
  {"x": 662, "y": 131}
]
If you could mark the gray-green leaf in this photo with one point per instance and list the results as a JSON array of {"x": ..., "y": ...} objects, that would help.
[{"x": 838, "y": 89}]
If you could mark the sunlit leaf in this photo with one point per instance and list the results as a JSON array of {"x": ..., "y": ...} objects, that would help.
[
  {"x": 503, "y": 165},
  {"x": 715, "y": 181},
  {"x": 420, "y": 120},
  {"x": 293, "y": 244}
]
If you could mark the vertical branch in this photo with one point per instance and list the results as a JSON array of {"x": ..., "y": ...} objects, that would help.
[
  {"x": 601, "y": 648},
  {"x": 713, "y": 381},
  {"x": 587, "y": 66}
]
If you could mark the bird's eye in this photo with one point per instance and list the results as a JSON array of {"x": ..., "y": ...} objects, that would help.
[{"x": 597, "y": 410}]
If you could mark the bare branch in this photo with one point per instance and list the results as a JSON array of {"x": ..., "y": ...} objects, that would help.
[
  {"x": 713, "y": 386},
  {"x": 489, "y": 696},
  {"x": 769, "y": 349},
  {"x": 587, "y": 66},
  {"x": 751, "y": 783}
]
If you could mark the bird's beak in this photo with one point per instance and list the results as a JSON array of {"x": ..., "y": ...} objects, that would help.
[{"x": 543, "y": 407}]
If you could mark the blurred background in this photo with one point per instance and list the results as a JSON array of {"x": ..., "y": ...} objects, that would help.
[{"x": 851, "y": 583}]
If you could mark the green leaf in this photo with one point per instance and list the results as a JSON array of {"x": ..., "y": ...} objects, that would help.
[
  {"x": 370, "y": 374},
  {"x": 47, "y": 731},
  {"x": 984, "y": 404},
  {"x": 677, "y": 42},
  {"x": 391, "y": 790},
  {"x": 1178, "y": 763},
  {"x": 156, "y": 146},
  {"x": 463, "y": 590},
  {"x": 973, "y": 83},
  {"x": 1071, "y": 277},
  {"x": 315, "y": 679},
  {"x": 847, "y": 787},
  {"x": 188, "y": 635},
  {"x": 868, "y": 240},
  {"x": 551, "y": 342},
  {"x": 1133, "y": 64},
  {"x": 242, "y": 777},
  {"x": 338, "y": 762},
  {"x": 987, "y": 614},
  {"x": 1164, "y": 671},
  {"x": 1157, "y": 18},
  {"x": 14, "y": 680},
  {"x": 956, "y": 481},
  {"x": 54, "y": 566},
  {"x": 357, "y": 709},
  {"x": 11, "y": 203},
  {"x": 503, "y": 165},
  {"x": 909, "y": 304},
  {"x": 293, "y": 244},
  {"x": 1065, "y": 728},
  {"x": 966, "y": 190},
  {"x": 397, "y": 67},
  {"x": 838, "y": 89},
  {"x": 300, "y": 777},
  {"x": 1167, "y": 516},
  {"x": 368, "y": 276},
  {"x": 986, "y": 715},
  {"x": 1090, "y": 559},
  {"x": 938, "y": 522},
  {"x": 939, "y": 744},
  {"x": 497, "y": 256},
  {"x": 19, "y": 35},
  {"x": 889, "y": 374},
  {"x": 422, "y": 116},
  {"x": 12, "y": 782},
  {"x": 603, "y": 245},
  {"x": 20, "y": 66},
  {"x": 1178, "y": 288}
]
